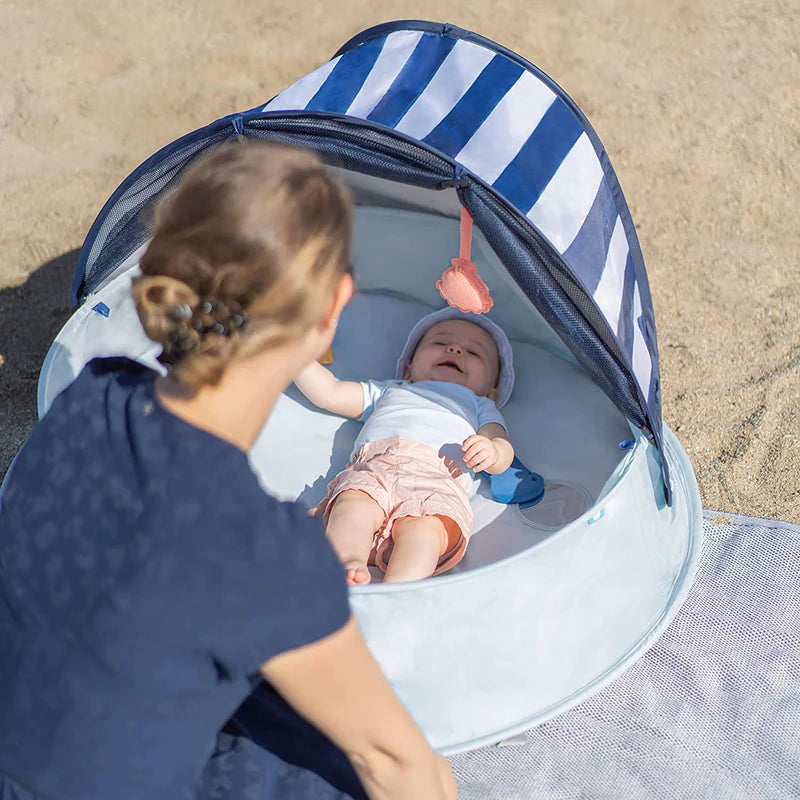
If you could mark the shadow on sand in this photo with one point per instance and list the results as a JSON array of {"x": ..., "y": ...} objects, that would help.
[{"x": 30, "y": 317}]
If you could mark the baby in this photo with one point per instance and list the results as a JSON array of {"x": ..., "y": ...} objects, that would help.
[{"x": 402, "y": 503}]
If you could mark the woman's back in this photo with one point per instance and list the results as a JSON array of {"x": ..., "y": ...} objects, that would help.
[
  {"x": 146, "y": 579},
  {"x": 134, "y": 549}
]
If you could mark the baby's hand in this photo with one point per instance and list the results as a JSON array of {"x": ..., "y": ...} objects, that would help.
[{"x": 480, "y": 453}]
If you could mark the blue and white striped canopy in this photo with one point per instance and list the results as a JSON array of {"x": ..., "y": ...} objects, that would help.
[
  {"x": 516, "y": 131},
  {"x": 489, "y": 119}
]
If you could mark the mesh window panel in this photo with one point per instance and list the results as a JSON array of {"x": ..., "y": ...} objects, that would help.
[
  {"x": 127, "y": 224},
  {"x": 369, "y": 150},
  {"x": 531, "y": 271},
  {"x": 353, "y": 147}
]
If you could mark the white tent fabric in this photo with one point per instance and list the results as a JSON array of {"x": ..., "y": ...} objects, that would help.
[
  {"x": 514, "y": 130},
  {"x": 542, "y": 611},
  {"x": 711, "y": 711}
]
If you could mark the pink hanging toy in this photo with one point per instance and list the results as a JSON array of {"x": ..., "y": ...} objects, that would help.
[{"x": 460, "y": 284}]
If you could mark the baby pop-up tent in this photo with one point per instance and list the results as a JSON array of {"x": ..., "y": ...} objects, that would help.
[{"x": 551, "y": 602}]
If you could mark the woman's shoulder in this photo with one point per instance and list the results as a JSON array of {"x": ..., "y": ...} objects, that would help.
[
  {"x": 116, "y": 364},
  {"x": 118, "y": 368},
  {"x": 90, "y": 383}
]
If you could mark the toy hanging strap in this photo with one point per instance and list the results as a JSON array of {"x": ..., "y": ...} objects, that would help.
[
  {"x": 460, "y": 284},
  {"x": 465, "y": 243}
]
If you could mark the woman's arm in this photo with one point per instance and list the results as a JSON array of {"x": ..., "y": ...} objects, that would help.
[
  {"x": 326, "y": 391},
  {"x": 337, "y": 685}
]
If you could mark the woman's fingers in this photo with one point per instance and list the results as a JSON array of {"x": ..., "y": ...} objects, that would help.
[{"x": 448, "y": 780}]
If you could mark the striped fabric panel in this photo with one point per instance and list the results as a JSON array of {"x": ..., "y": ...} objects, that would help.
[
  {"x": 499, "y": 138},
  {"x": 566, "y": 201},
  {"x": 612, "y": 282},
  {"x": 300, "y": 92},
  {"x": 463, "y": 65},
  {"x": 511, "y": 130},
  {"x": 589, "y": 249},
  {"x": 342, "y": 85},
  {"x": 411, "y": 81},
  {"x": 625, "y": 324},
  {"x": 396, "y": 50},
  {"x": 642, "y": 361},
  {"x": 524, "y": 179},
  {"x": 618, "y": 298},
  {"x": 458, "y": 127}
]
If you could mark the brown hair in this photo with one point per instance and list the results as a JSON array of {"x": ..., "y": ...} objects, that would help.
[{"x": 245, "y": 255}]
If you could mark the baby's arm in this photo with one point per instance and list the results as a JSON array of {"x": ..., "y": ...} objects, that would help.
[
  {"x": 488, "y": 450},
  {"x": 326, "y": 391}
]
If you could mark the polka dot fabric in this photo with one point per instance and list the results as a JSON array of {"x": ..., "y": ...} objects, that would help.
[{"x": 144, "y": 578}]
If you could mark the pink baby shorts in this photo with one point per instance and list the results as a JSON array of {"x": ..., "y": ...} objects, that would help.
[{"x": 408, "y": 479}]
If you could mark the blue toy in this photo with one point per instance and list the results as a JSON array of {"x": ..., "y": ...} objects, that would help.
[{"x": 517, "y": 485}]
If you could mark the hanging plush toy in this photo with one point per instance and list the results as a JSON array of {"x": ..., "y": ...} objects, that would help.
[{"x": 460, "y": 284}]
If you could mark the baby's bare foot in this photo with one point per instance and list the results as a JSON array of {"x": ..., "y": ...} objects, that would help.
[{"x": 356, "y": 573}]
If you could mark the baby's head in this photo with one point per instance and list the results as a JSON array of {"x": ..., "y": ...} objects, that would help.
[
  {"x": 458, "y": 347},
  {"x": 457, "y": 351}
]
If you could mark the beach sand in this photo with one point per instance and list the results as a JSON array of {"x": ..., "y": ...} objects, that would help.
[{"x": 696, "y": 103}]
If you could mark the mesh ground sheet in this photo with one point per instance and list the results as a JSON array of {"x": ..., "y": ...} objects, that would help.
[{"x": 712, "y": 710}]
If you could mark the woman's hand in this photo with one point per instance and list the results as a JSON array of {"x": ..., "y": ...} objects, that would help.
[{"x": 337, "y": 685}]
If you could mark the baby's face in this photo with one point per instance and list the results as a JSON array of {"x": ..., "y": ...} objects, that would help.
[{"x": 457, "y": 351}]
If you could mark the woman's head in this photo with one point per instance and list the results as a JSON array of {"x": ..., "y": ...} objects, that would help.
[{"x": 247, "y": 254}]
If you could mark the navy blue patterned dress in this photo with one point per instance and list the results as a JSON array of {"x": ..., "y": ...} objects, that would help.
[{"x": 144, "y": 578}]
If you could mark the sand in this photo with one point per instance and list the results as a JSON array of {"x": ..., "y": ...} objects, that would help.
[{"x": 696, "y": 103}]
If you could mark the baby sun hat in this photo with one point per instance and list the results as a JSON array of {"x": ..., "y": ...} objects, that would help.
[{"x": 505, "y": 382}]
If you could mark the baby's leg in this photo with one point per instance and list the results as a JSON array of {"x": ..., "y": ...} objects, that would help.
[
  {"x": 418, "y": 542},
  {"x": 351, "y": 526}
]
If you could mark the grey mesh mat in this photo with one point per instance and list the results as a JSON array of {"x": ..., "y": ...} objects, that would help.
[{"x": 712, "y": 710}]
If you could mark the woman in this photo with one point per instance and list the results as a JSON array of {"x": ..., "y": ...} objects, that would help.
[{"x": 145, "y": 578}]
